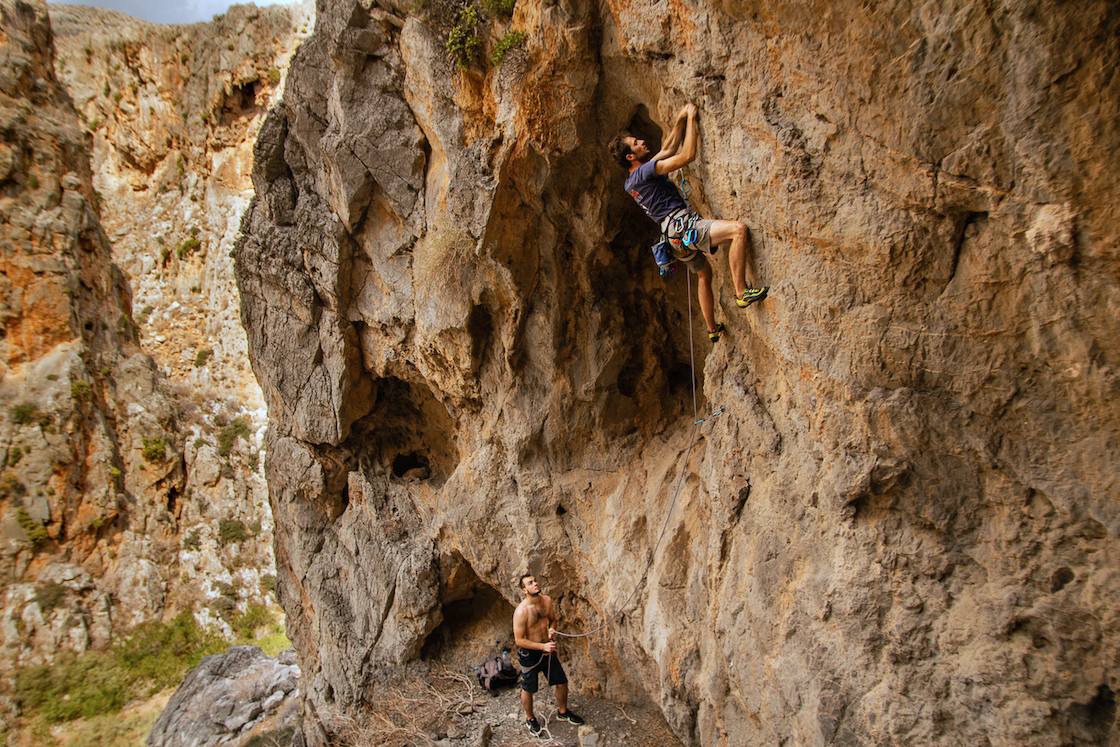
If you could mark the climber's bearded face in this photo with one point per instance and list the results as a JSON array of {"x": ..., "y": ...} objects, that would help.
[
  {"x": 637, "y": 148},
  {"x": 530, "y": 585}
]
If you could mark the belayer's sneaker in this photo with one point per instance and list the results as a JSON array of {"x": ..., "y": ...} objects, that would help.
[
  {"x": 751, "y": 295},
  {"x": 713, "y": 334},
  {"x": 533, "y": 726},
  {"x": 570, "y": 716}
]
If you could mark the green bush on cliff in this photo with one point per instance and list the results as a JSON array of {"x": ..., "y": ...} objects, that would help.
[
  {"x": 239, "y": 428},
  {"x": 463, "y": 40},
  {"x": 255, "y": 616},
  {"x": 157, "y": 654},
  {"x": 499, "y": 7},
  {"x": 508, "y": 42},
  {"x": 231, "y": 530},
  {"x": 25, "y": 414},
  {"x": 35, "y": 531},
  {"x": 154, "y": 449},
  {"x": 188, "y": 247},
  {"x": 192, "y": 541},
  {"x": 80, "y": 389},
  {"x": 154, "y": 657},
  {"x": 10, "y": 487},
  {"x": 76, "y": 686}
]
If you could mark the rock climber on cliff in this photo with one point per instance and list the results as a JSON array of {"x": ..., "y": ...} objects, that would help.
[
  {"x": 534, "y": 621},
  {"x": 689, "y": 235}
]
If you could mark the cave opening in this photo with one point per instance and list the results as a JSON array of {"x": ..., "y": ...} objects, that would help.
[
  {"x": 409, "y": 465},
  {"x": 239, "y": 102},
  {"x": 408, "y": 433},
  {"x": 477, "y": 619}
]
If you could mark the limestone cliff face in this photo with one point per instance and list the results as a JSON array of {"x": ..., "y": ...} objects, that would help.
[
  {"x": 73, "y": 374},
  {"x": 131, "y": 422},
  {"x": 173, "y": 112},
  {"x": 902, "y": 527}
]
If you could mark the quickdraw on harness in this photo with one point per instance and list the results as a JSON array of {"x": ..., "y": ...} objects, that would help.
[{"x": 683, "y": 227}]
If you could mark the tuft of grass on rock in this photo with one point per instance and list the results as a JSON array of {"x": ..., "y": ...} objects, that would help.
[
  {"x": 35, "y": 531},
  {"x": 510, "y": 41},
  {"x": 231, "y": 530},
  {"x": 239, "y": 428},
  {"x": 439, "y": 259}
]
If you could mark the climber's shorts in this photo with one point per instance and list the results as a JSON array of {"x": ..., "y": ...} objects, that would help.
[{"x": 534, "y": 663}]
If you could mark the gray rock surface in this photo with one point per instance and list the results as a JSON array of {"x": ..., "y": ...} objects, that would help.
[
  {"x": 902, "y": 527},
  {"x": 224, "y": 697}
]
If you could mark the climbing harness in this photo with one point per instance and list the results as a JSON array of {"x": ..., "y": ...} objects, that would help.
[
  {"x": 680, "y": 227},
  {"x": 680, "y": 481},
  {"x": 677, "y": 228}
]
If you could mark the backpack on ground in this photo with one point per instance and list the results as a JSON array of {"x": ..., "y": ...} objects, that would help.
[{"x": 496, "y": 673}]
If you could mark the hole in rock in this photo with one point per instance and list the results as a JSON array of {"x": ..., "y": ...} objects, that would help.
[
  {"x": 642, "y": 126},
  {"x": 680, "y": 378},
  {"x": 407, "y": 431},
  {"x": 481, "y": 329},
  {"x": 560, "y": 510},
  {"x": 477, "y": 619},
  {"x": 1094, "y": 722},
  {"x": 411, "y": 465},
  {"x": 344, "y": 498},
  {"x": 1060, "y": 579},
  {"x": 240, "y": 102}
]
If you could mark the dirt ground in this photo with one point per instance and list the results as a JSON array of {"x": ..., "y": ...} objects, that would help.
[
  {"x": 445, "y": 708},
  {"x": 616, "y": 725}
]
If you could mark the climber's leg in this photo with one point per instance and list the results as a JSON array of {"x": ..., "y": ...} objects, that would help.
[
  {"x": 704, "y": 295},
  {"x": 735, "y": 233}
]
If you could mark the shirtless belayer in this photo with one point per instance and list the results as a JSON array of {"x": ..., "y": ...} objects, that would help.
[{"x": 533, "y": 626}]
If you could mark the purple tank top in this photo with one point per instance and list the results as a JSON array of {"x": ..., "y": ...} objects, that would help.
[{"x": 656, "y": 193}]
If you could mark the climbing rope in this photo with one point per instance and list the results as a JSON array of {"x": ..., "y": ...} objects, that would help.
[{"x": 680, "y": 480}]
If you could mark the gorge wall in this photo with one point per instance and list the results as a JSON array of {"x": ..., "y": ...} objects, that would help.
[
  {"x": 130, "y": 423},
  {"x": 902, "y": 527}
]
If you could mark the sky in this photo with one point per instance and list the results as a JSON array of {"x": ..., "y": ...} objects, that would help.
[{"x": 169, "y": 11}]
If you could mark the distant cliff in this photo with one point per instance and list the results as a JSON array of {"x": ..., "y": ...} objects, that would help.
[
  {"x": 901, "y": 527},
  {"x": 130, "y": 423}
]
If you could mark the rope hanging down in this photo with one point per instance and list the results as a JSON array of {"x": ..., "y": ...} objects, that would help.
[{"x": 680, "y": 480}]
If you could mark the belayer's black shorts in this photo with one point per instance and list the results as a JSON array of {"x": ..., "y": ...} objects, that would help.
[{"x": 535, "y": 662}]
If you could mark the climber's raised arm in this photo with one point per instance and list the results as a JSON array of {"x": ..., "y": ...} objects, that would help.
[
  {"x": 673, "y": 142},
  {"x": 686, "y": 153}
]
